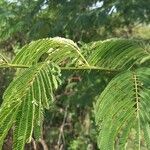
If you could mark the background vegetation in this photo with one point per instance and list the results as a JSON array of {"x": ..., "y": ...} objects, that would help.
[{"x": 70, "y": 124}]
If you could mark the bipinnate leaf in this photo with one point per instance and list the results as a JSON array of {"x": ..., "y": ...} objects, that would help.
[
  {"x": 24, "y": 102},
  {"x": 124, "y": 104}
]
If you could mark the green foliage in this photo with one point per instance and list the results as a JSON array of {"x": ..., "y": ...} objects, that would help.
[
  {"x": 122, "y": 105},
  {"x": 25, "y": 20},
  {"x": 107, "y": 54},
  {"x": 57, "y": 50},
  {"x": 24, "y": 102}
]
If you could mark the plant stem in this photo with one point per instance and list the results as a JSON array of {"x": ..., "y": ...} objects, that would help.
[
  {"x": 88, "y": 68},
  {"x": 7, "y": 65},
  {"x": 62, "y": 68}
]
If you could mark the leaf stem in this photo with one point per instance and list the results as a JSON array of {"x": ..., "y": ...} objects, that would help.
[
  {"x": 78, "y": 51},
  {"x": 138, "y": 109},
  {"x": 4, "y": 58},
  {"x": 89, "y": 68},
  {"x": 8, "y": 65}
]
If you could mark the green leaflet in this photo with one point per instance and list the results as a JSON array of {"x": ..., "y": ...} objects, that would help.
[
  {"x": 7, "y": 115},
  {"x": 126, "y": 97},
  {"x": 125, "y": 132},
  {"x": 24, "y": 102},
  {"x": 21, "y": 125},
  {"x": 38, "y": 110},
  {"x": 116, "y": 53},
  {"x": 57, "y": 50}
]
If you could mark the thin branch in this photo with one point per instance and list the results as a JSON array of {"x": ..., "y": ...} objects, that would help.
[
  {"x": 61, "y": 133},
  {"x": 34, "y": 144},
  {"x": 45, "y": 147}
]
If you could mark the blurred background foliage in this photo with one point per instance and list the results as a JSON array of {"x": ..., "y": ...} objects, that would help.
[{"x": 70, "y": 123}]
